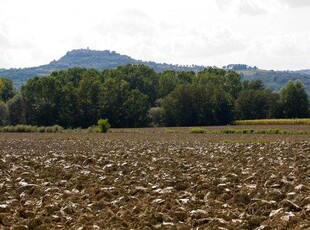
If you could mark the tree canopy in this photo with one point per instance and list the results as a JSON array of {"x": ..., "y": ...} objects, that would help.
[
  {"x": 294, "y": 100},
  {"x": 137, "y": 96},
  {"x": 6, "y": 89}
]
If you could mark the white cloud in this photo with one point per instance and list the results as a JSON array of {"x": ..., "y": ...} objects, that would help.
[
  {"x": 222, "y": 42},
  {"x": 250, "y": 8},
  {"x": 265, "y": 33},
  {"x": 243, "y": 7},
  {"x": 129, "y": 22},
  {"x": 296, "y": 3},
  {"x": 4, "y": 38}
]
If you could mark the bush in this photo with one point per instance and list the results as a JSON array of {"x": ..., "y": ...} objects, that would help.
[
  {"x": 227, "y": 131},
  {"x": 157, "y": 114},
  {"x": 103, "y": 125},
  {"x": 92, "y": 129},
  {"x": 54, "y": 129},
  {"x": 32, "y": 129},
  {"x": 197, "y": 130},
  {"x": 24, "y": 129},
  {"x": 41, "y": 129}
]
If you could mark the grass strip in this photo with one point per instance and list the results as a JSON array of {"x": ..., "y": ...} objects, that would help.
[
  {"x": 248, "y": 131},
  {"x": 300, "y": 121}
]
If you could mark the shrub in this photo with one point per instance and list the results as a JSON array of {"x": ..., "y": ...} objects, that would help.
[
  {"x": 23, "y": 128},
  {"x": 247, "y": 131},
  {"x": 54, "y": 129},
  {"x": 41, "y": 129},
  {"x": 32, "y": 129},
  {"x": 227, "y": 131},
  {"x": 92, "y": 129},
  {"x": 103, "y": 125},
  {"x": 197, "y": 130}
]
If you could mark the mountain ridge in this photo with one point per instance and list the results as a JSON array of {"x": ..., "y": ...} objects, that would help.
[
  {"x": 106, "y": 59},
  {"x": 87, "y": 58}
]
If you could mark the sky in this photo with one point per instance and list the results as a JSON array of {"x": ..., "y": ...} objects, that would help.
[{"x": 269, "y": 34}]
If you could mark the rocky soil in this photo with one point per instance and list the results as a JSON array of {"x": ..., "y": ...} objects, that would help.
[{"x": 65, "y": 182}]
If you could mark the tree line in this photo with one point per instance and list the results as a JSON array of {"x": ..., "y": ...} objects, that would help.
[{"x": 137, "y": 96}]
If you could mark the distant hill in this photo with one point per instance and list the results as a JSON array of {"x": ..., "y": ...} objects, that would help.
[
  {"x": 304, "y": 71},
  {"x": 106, "y": 59},
  {"x": 272, "y": 79},
  {"x": 87, "y": 58}
]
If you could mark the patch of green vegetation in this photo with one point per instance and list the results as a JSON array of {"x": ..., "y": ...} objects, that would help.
[
  {"x": 275, "y": 80},
  {"x": 103, "y": 125},
  {"x": 172, "y": 131},
  {"x": 301, "y": 121},
  {"x": 197, "y": 130},
  {"x": 250, "y": 131},
  {"x": 32, "y": 129}
]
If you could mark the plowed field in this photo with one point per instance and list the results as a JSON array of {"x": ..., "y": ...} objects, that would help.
[{"x": 154, "y": 180}]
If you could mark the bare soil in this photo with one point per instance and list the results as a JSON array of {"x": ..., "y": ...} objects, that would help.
[{"x": 151, "y": 179}]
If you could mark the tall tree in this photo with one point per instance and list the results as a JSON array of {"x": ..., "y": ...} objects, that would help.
[
  {"x": 16, "y": 110},
  {"x": 124, "y": 107},
  {"x": 188, "y": 105},
  {"x": 230, "y": 81},
  {"x": 256, "y": 102},
  {"x": 254, "y": 84},
  {"x": 114, "y": 93},
  {"x": 140, "y": 77},
  {"x": 136, "y": 107},
  {"x": 222, "y": 104},
  {"x": 4, "y": 115},
  {"x": 69, "y": 109},
  {"x": 185, "y": 77},
  {"x": 42, "y": 100},
  {"x": 167, "y": 83},
  {"x": 88, "y": 94},
  {"x": 6, "y": 89},
  {"x": 251, "y": 104},
  {"x": 294, "y": 100}
]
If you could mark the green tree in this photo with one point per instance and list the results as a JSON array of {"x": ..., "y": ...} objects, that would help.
[
  {"x": 4, "y": 114},
  {"x": 257, "y": 104},
  {"x": 253, "y": 84},
  {"x": 42, "y": 99},
  {"x": 230, "y": 81},
  {"x": 88, "y": 95},
  {"x": 114, "y": 93},
  {"x": 124, "y": 107},
  {"x": 222, "y": 104},
  {"x": 167, "y": 83},
  {"x": 185, "y": 77},
  {"x": 6, "y": 89},
  {"x": 136, "y": 109},
  {"x": 16, "y": 110},
  {"x": 157, "y": 116},
  {"x": 69, "y": 110},
  {"x": 294, "y": 100},
  {"x": 188, "y": 105},
  {"x": 139, "y": 77},
  {"x": 73, "y": 75}
]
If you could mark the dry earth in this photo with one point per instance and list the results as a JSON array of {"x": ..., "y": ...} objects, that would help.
[{"x": 154, "y": 181}]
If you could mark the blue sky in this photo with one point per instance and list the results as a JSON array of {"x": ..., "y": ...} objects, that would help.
[{"x": 271, "y": 34}]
